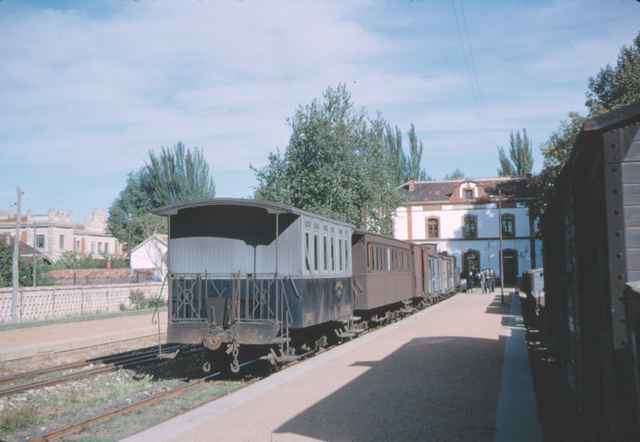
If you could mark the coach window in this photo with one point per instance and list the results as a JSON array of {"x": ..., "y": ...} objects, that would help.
[
  {"x": 324, "y": 253},
  {"x": 315, "y": 252},
  {"x": 306, "y": 252},
  {"x": 333, "y": 256},
  {"x": 433, "y": 228},
  {"x": 346, "y": 255},
  {"x": 470, "y": 229},
  {"x": 508, "y": 225}
]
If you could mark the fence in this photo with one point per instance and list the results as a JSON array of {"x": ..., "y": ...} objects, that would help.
[
  {"x": 38, "y": 303},
  {"x": 100, "y": 276}
]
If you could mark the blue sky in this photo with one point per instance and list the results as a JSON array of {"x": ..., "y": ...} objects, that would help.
[{"x": 87, "y": 88}]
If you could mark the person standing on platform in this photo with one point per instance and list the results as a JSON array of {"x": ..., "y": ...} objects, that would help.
[
  {"x": 483, "y": 281},
  {"x": 492, "y": 279}
]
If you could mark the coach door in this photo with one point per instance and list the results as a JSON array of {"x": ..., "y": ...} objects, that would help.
[
  {"x": 470, "y": 262},
  {"x": 510, "y": 265}
]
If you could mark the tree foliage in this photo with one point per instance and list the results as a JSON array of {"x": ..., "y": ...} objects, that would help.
[
  {"x": 176, "y": 174},
  {"x": 520, "y": 159},
  {"x": 616, "y": 86},
  {"x": 455, "y": 175},
  {"x": 555, "y": 151},
  {"x": 414, "y": 168},
  {"x": 25, "y": 269},
  {"x": 341, "y": 163}
]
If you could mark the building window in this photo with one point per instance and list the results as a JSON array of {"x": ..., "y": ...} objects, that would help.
[
  {"x": 433, "y": 228},
  {"x": 468, "y": 194},
  {"x": 61, "y": 242},
  {"x": 93, "y": 247},
  {"x": 470, "y": 229},
  {"x": 77, "y": 245},
  {"x": 106, "y": 248},
  {"x": 340, "y": 254},
  {"x": 40, "y": 241},
  {"x": 508, "y": 225}
]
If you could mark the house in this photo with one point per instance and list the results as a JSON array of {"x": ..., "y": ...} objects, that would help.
[
  {"x": 468, "y": 218},
  {"x": 55, "y": 233},
  {"x": 25, "y": 251},
  {"x": 151, "y": 254}
]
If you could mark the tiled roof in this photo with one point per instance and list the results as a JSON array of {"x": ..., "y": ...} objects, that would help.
[
  {"x": 24, "y": 248},
  {"x": 432, "y": 191}
]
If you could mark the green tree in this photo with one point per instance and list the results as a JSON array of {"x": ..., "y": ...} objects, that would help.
[
  {"x": 520, "y": 159},
  {"x": 455, "y": 175},
  {"x": 414, "y": 168},
  {"x": 176, "y": 174},
  {"x": 25, "y": 269},
  {"x": 396, "y": 156},
  {"x": 338, "y": 162},
  {"x": 616, "y": 86},
  {"x": 555, "y": 151}
]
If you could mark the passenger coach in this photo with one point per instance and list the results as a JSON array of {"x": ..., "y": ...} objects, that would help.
[
  {"x": 383, "y": 272},
  {"x": 248, "y": 272}
]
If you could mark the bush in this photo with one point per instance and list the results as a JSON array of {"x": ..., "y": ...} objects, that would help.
[
  {"x": 137, "y": 299},
  {"x": 156, "y": 302}
]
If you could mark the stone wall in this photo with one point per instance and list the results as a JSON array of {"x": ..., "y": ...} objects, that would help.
[{"x": 38, "y": 303}]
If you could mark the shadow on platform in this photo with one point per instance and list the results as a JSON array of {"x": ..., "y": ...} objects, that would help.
[{"x": 439, "y": 388}]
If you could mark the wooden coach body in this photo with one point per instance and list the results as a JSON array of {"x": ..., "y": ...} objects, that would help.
[
  {"x": 383, "y": 271},
  {"x": 591, "y": 252}
]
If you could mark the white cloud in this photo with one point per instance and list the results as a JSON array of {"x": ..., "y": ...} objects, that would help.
[{"x": 222, "y": 75}]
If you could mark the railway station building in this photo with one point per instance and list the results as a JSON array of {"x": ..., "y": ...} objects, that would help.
[{"x": 467, "y": 217}]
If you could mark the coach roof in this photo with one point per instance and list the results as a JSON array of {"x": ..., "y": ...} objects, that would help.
[{"x": 270, "y": 206}]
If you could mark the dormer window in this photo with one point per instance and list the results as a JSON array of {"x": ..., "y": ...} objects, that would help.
[{"x": 468, "y": 194}]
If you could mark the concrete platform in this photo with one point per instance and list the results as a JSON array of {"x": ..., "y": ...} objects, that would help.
[
  {"x": 435, "y": 376},
  {"x": 23, "y": 342}
]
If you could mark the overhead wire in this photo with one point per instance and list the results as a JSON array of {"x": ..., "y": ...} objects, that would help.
[
  {"x": 465, "y": 58},
  {"x": 474, "y": 71}
]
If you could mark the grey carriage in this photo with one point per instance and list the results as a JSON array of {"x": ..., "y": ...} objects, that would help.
[{"x": 248, "y": 272}]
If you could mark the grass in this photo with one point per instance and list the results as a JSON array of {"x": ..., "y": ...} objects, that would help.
[
  {"x": 66, "y": 403},
  {"x": 13, "y": 418}
]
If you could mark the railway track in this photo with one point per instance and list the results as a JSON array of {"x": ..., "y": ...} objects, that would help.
[
  {"x": 177, "y": 391},
  {"x": 109, "y": 363},
  {"x": 91, "y": 422},
  {"x": 49, "y": 354}
]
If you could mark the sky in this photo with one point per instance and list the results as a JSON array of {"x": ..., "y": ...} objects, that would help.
[{"x": 88, "y": 88}]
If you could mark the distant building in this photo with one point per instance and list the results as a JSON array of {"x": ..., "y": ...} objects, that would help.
[
  {"x": 54, "y": 233},
  {"x": 25, "y": 251},
  {"x": 151, "y": 254},
  {"x": 461, "y": 217}
]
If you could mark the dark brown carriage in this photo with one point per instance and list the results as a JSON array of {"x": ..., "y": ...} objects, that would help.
[
  {"x": 383, "y": 272},
  {"x": 591, "y": 266}
]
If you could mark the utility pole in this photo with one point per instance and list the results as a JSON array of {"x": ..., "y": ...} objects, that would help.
[
  {"x": 34, "y": 260},
  {"x": 16, "y": 256},
  {"x": 500, "y": 251}
]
